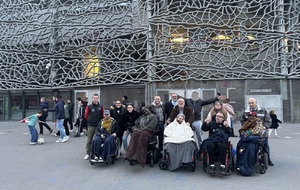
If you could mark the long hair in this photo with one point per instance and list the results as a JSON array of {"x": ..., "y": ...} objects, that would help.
[{"x": 213, "y": 111}]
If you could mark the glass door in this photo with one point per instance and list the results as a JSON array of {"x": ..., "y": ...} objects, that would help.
[{"x": 3, "y": 108}]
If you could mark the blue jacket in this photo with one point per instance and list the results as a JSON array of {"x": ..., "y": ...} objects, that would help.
[
  {"x": 44, "y": 105},
  {"x": 59, "y": 110}
]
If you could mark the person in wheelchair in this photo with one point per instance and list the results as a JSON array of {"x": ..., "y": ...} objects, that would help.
[
  {"x": 145, "y": 127},
  {"x": 103, "y": 144},
  {"x": 219, "y": 133},
  {"x": 179, "y": 142},
  {"x": 250, "y": 144}
]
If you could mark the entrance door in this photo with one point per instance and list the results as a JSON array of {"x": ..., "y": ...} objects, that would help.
[
  {"x": 3, "y": 108},
  {"x": 79, "y": 93}
]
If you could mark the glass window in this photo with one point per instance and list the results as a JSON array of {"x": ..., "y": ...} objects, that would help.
[
  {"x": 31, "y": 104},
  {"x": 16, "y": 107}
]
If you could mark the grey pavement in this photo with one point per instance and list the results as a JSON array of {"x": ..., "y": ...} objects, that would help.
[{"x": 61, "y": 166}]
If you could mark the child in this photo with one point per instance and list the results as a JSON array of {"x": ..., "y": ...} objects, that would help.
[
  {"x": 32, "y": 121},
  {"x": 274, "y": 124}
]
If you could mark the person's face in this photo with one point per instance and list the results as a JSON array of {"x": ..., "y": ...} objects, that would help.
[
  {"x": 69, "y": 101},
  {"x": 145, "y": 111},
  {"x": 118, "y": 104},
  {"x": 54, "y": 99},
  {"x": 252, "y": 103},
  {"x": 157, "y": 100},
  {"x": 174, "y": 97},
  {"x": 42, "y": 100},
  {"x": 106, "y": 116},
  {"x": 218, "y": 106},
  {"x": 129, "y": 108},
  {"x": 39, "y": 114},
  {"x": 96, "y": 99},
  {"x": 219, "y": 118},
  {"x": 180, "y": 103},
  {"x": 180, "y": 119}
]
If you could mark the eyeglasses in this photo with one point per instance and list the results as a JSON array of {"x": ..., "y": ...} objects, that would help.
[{"x": 219, "y": 116}]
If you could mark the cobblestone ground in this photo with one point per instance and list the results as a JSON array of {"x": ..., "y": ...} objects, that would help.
[{"x": 61, "y": 166}]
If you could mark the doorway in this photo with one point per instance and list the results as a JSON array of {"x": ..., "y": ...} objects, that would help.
[{"x": 3, "y": 108}]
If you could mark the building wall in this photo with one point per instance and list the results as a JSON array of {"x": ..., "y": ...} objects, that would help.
[{"x": 169, "y": 44}]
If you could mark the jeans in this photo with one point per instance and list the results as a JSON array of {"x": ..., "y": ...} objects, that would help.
[
  {"x": 60, "y": 127},
  {"x": 34, "y": 133},
  {"x": 196, "y": 125},
  {"x": 124, "y": 139},
  {"x": 266, "y": 147}
]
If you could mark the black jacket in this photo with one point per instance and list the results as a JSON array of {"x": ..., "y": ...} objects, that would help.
[
  {"x": 197, "y": 105},
  {"x": 129, "y": 119},
  {"x": 59, "y": 110},
  {"x": 93, "y": 114},
  {"x": 44, "y": 105},
  {"x": 215, "y": 128}
]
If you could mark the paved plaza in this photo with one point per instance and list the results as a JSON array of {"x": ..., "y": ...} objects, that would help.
[{"x": 54, "y": 166}]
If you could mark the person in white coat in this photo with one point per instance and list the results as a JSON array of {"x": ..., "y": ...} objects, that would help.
[{"x": 179, "y": 142}]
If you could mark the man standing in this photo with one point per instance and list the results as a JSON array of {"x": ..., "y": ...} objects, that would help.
[
  {"x": 59, "y": 118},
  {"x": 157, "y": 109},
  {"x": 171, "y": 104},
  {"x": 93, "y": 114},
  {"x": 196, "y": 104},
  {"x": 42, "y": 120},
  {"x": 71, "y": 113},
  {"x": 266, "y": 119},
  {"x": 181, "y": 108}
]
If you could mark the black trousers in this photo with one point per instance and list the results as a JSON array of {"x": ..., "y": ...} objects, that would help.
[
  {"x": 43, "y": 123},
  {"x": 211, "y": 149}
]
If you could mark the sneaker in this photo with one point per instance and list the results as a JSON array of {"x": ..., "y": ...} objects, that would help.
[
  {"x": 55, "y": 135},
  {"x": 65, "y": 139},
  {"x": 212, "y": 169},
  {"x": 32, "y": 143},
  {"x": 82, "y": 134},
  {"x": 77, "y": 135},
  {"x": 86, "y": 157},
  {"x": 223, "y": 170},
  {"x": 270, "y": 163},
  {"x": 71, "y": 130},
  {"x": 59, "y": 140},
  {"x": 50, "y": 131}
]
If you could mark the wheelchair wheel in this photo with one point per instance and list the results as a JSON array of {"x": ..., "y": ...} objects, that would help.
[
  {"x": 92, "y": 163},
  {"x": 204, "y": 160},
  {"x": 112, "y": 160},
  {"x": 156, "y": 156},
  {"x": 262, "y": 168},
  {"x": 265, "y": 160},
  {"x": 163, "y": 165}
]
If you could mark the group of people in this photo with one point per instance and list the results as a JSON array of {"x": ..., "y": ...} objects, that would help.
[{"x": 174, "y": 122}]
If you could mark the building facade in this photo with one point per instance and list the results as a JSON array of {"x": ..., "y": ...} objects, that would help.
[{"x": 141, "y": 48}]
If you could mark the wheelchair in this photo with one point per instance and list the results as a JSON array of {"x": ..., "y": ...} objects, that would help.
[
  {"x": 164, "y": 164},
  {"x": 111, "y": 158},
  {"x": 251, "y": 157},
  {"x": 229, "y": 161},
  {"x": 153, "y": 153},
  {"x": 262, "y": 160}
]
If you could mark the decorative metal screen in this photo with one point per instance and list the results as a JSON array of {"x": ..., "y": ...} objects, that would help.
[{"x": 71, "y": 43}]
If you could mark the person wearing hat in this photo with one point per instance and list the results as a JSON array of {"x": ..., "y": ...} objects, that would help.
[
  {"x": 261, "y": 113},
  {"x": 103, "y": 144},
  {"x": 93, "y": 114}
]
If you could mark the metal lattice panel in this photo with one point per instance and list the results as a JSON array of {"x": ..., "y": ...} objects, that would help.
[{"x": 64, "y": 43}]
